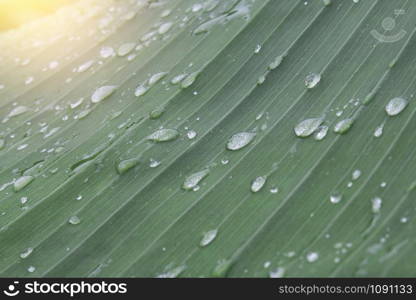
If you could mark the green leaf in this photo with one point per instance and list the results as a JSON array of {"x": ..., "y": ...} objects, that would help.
[{"x": 106, "y": 148}]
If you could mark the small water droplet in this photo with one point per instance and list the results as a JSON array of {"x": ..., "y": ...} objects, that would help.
[
  {"x": 343, "y": 126},
  {"x": 85, "y": 66},
  {"x": 74, "y": 220},
  {"x": 106, "y": 52},
  {"x": 379, "y": 131},
  {"x": 26, "y": 253},
  {"x": 193, "y": 180},
  {"x": 140, "y": 90},
  {"x": 163, "y": 135},
  {"x": 274, "y": 190},
  {"x": 18, "y": 110},
  {"x": 277, "y": 273},
  {"x": 396, "y": 106},
  {"x": 125, "y": 49},
  {"x": 307, "y": 127},
  {"x": 240, "y": 140},
  {"x": 125, "y": 165},
  {"x": 356, "y": 174},
  {"x": 257, "y": 49},
  {"x": 222, "y": 267},
  {"x": 102, "y": 92},
  {"x": 335, "y": 198},
  {"x": 376, "y": 204},
  {"x": 156, "y": 113},
  {"x": 321, "y": 132},
  {"x": 312, "y": 80},
  {"x": 22, "y": 182},
  {"x": 178, "y": 78},
  {"x": 173, "y": 273},
  {"x": 189, "y": 80},
  {"x": 154, "y": 163},
  {"x": 276, "y": 62},
  {"x": 191, "y": 134},
  {"x": 165, "y": 27},
  {"x": 208, "y": 237},
  {"x": 156, "y": 77},
  {"x": 258, "y": 184},
  {"x": 312, "y": 257},
  {"x": 31, "y": 269}
]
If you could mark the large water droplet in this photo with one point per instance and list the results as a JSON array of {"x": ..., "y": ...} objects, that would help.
[
  {"x": 307, "y": 127},
  {"x": 240, "y": 140},
  {"x": 102, "y": 93},
  {"x": 193, "y": 180},
  {"x": 22, "y": 182},
  {"x": 312, "y": 80},
  {"x": 258, "y": 184},
  {"x": 18, "y": 110},
  {"x": 163, "y": 135},
  {"x": 396, "y": 106},
  {"x": 208, "y": 237}
]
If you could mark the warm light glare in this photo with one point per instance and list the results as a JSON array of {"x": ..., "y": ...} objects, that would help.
[{"x": 16, "y": 12}]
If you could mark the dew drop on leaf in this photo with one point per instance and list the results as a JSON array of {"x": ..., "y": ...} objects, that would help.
[
  {"x": 173, "y": 273},
  {"x": 22, "y": 182},
  {"x": 189, "y": 80},
  {"x": 208, "y": 237},
  {"x": 125, "y": 49},
  {"x": 102, "y": 92},
  {"x": 312, "y": 257},
  {"x": 74, "y": 220},
  {"x": 312, "y": 80},
  {"x": 258, "y": 184},
  {"x": 240, "y": 140},
  {"x": 193, "y": 180},
  {"x": 125, "y": 165},
  {"x": 163, "y": 135},
  {"x": 396, "y": 106},
  {"x": 277, "y": 273},
  {"x": 343, "y": 126},
  {"x": 26, "y": 253},
  {"x": 307, "y": 127}
]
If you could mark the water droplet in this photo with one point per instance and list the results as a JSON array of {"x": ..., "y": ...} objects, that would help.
[
  {"x": 53, "y": 65},
  {"x": 379, "y": 131},
  {"x": 343, "y": 126},
  {"x": 208, "y": 237},
  {"x": 125, "y": 165},
  {"x": 240, "y": 140},
  {"x": 154, "y": 163},
  {"x": 376, "y": 204},
  {"x": 222, "y": 267},
  {"x": 191, "y": 134},
  {"x": 312, "y": 80},
  {"x": 274, "y": 190},
  {"x": 22, "y": 182},
  {"x": 335, "y": 198},
  {"x": 74, "y": 220},
  {"x": 189, "y": 80},
  {"x": 76, "y": 103},
  {"x": 125, "y": 49},
  {"x": 31, "y": 269},
  {"x": 141, "y": 90},
  {"x": 173, "y": 273},
  {"x": 178, "y": 78},
  {"x": 18, "y": 110},
  {"x": 193, "y": 180},
  {"x": 356, "y": 174},
  {"x": 163, "y": 135},
  {"x": 165, "y": 27},
  {"x": 327, "y": 2},
  {"x": 261, "y": 79},
  {"x": 224, "y": 161},
  {"x": 102, "y": 93},
  {"x": 156, "y": 113},
  {"x": 26, "y": 253},
  {"x": 156, "y": 77},
  {"x": 23, "y": 200},
  {"x": 257, "y": 49},
  {"x": 106, "y": 52},
  {"x": 258, "y": 184},
  {"x": 312, "y": 257},
  {"x": 276, "y": 62},
  {"x": 396, "y": 106},
  {"x": 277, "y": 273},
  {"x": 85, "y": 66},
  {"x": 307, "y": 127},
  {"x": 79, "y": 197},
  {"x": 321, "y": 132}
]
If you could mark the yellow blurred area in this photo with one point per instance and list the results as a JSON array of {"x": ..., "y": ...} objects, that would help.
[{"x": 16, "y": 12}]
